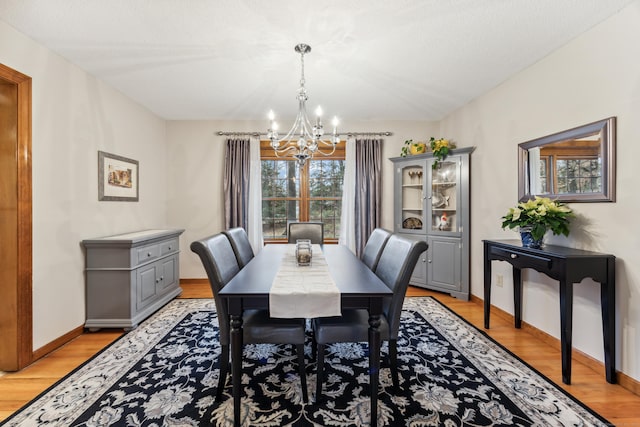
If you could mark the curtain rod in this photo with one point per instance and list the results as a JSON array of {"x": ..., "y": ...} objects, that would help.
[{"x": 221, "y": 133}]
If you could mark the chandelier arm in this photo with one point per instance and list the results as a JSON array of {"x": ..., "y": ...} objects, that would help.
[
  {"x": 301, "y": 123},
  {"x": 329, "y": 153},
  {"x": 281, "y": 152},
  {"x": 293, "y": 132},
  {"x": 326, "y": 142}
]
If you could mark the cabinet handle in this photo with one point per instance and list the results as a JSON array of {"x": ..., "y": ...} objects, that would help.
[
  {"x": 161, "y": 277},
  {"x": 429, "y": 261},
  {"x": 514, "y": 256},
  {"x": 169, "y": 247},
  {"x": 148, "y": 254},
  {"x": 157, "y": 280}
]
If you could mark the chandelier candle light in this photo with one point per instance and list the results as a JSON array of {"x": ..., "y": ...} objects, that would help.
[{"x": 303, "y": 140}]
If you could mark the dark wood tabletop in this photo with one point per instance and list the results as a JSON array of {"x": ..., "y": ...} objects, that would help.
[{"x": 352, "y": 277}]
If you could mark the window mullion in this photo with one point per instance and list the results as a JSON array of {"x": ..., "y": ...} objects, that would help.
[{"x": 304, "y": 192}]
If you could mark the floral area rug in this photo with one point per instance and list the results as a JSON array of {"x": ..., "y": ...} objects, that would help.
[{"x": 165, "y": 372}]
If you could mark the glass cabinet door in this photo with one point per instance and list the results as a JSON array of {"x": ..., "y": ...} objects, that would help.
[
  {"x": 412, "y": 178},
  {"x": 445, "y": 181}
]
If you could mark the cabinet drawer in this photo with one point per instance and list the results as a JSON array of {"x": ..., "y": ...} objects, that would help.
[
  {"x": 148, "y": 253},
  {"x": 168, "y": 247},
  {"x": 521, "y": 259}
]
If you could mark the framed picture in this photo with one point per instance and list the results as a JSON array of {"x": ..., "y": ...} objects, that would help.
[{"x": 117, "y": 178}]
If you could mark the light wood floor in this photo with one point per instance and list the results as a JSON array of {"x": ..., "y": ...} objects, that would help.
[{"x": 613, "y": 402}]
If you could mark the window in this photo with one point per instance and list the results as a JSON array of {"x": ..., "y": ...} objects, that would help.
[
  {"x": 566, "y": 168},
  {"x": 309, "y": 193}
]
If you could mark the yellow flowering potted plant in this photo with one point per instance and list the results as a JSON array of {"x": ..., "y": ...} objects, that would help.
[
  {"x": 535, "y": 217},
  {"x": 411, "y": 147},
  {"x": 440, "y": 148}
]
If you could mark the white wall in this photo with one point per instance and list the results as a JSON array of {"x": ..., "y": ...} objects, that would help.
[
  {"x": 595, "y": 76},
  {"x": 74, "y": 116},
  {"x": 196, "y": 201}
]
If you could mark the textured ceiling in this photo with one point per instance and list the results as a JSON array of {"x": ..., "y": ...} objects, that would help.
[{"x": 370, "y": 59}]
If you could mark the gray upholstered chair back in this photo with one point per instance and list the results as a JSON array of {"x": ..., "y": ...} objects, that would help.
[
  {"x": 240, "y": 242},
  {"x": 373, "y": 249},
  {"x": 221, "y": 265},
  {"x": 396, "y": 264},
  {"x": 313, "y": 231}
]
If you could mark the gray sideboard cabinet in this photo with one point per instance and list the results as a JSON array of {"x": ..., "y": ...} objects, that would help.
[
  {"x": 432, "y": 204},
  {"x": 130, "y": 276}
]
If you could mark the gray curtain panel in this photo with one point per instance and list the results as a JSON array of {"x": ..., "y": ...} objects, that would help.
[
  {"x": 236, "y": 183},
  {"x": 368, "y": 189}
]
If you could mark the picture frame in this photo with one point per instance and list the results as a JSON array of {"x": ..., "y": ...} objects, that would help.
[{"x": 117, "y": 178}]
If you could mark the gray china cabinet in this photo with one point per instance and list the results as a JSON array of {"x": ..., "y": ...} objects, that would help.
[
  {"x": 432, "y": 204},
  {"x": 130, "y": 276}
]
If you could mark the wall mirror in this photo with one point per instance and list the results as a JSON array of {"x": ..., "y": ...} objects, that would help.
[{"x": 575, "y": 165}]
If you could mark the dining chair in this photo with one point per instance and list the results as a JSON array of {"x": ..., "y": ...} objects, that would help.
[
  {"x": 374, "y": 246},
  {"x": 240, "y": 243},
  {"x": 396, "y": 264},
  {"x": 221, "y": 265},
  {"x": 313, "y": 231}
]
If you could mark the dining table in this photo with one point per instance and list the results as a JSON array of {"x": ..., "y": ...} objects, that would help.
[{"x": 359, "y": 288}]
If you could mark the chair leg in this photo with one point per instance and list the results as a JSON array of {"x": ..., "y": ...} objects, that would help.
[
  {"x": 313, "y": 346},
  {"x": 319, "y": 372},
  {"x": 393, "y": 362},
  {"x": 302, "y": 371},
  {"x": 224, "y": 371}
]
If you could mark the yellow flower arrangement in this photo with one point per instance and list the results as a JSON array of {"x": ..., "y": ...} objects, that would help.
[{"x": 440, "y": 148}]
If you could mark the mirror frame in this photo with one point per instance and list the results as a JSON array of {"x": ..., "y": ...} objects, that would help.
[{"x": 607, "y": 130}]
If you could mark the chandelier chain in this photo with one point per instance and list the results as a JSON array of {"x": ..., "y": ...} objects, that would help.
[{"x": 302, "y": 80}]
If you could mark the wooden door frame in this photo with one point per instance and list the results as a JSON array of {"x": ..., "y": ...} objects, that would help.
[{"x": 22, "y": 323}]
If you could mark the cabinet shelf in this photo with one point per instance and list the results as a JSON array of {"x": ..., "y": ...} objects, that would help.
[
  {"x": 413, "y": 209},
  {"x": 417, "y": 186}
]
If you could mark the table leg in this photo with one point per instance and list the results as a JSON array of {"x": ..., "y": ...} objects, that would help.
[
  {"x": 487, "y": 286},
  {"x": 236, "y": 366},
  {"x": 566, "y": 327},
  {"x": 374, "y": 364},
  {"x": 517, "y": 296},
  {"x": 608, "y": 303}
]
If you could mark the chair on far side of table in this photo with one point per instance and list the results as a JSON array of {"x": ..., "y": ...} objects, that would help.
[
  {"x": 373, "y": 249},
  {"x": 241, "y": 246},
  {"x": 396, "y": 264},
  {"x": 313, "y": 231},
  {"x": 221, "y": 265}
]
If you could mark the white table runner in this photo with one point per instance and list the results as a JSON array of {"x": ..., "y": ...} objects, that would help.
[{"x": 304, "y": 291}]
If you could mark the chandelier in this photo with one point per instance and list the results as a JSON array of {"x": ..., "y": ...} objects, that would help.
[{"x": 303, "y": 140}]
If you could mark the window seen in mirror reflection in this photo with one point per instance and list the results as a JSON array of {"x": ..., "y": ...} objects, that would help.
[
  {"x": 543, "y": 186},
  {"x": 579, "y": 175},
  {"x": 572, "y": 166}
]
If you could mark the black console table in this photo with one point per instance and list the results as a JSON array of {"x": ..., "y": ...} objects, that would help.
[{"x": 568, "y": 266}]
